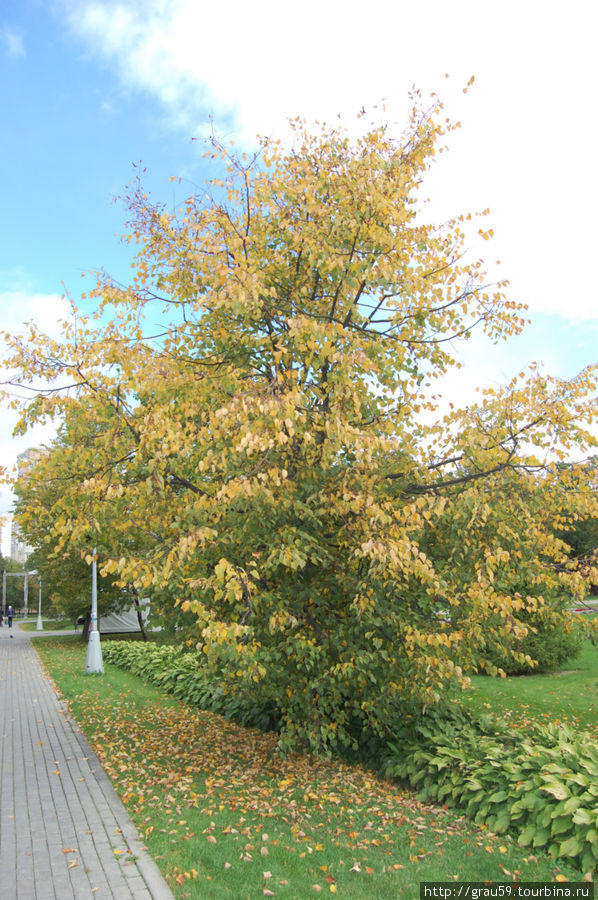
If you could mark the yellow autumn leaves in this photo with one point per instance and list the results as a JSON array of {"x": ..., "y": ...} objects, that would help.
[{"x": 245, "y": 444}]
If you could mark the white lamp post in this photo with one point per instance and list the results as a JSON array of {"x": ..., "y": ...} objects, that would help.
[
  {"x": 93, "y": 659},
  {"x": 40, "y": 624}
]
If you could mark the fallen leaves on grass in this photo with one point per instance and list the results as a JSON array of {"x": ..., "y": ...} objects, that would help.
[
  {"x": 187, "y": 757},
  {"x": 172, "y": 759},
  {"x": 171, "y": 748}
]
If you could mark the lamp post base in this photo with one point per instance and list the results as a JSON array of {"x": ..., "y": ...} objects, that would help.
[
  {"x": 93, "y": 660},
  {"x": 40, "y": 624}
]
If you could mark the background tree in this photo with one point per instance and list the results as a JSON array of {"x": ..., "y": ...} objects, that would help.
[
  {"x": 14, "y": 586},
  {"x": 51, "y": 491},
  {"x": 260, "y": 457},
  {"x": 581, "y": 533}
]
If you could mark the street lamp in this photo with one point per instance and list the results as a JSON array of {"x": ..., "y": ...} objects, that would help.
[
  {"x": 40, "y": 624},
  {"x": 93, "y": 659}
]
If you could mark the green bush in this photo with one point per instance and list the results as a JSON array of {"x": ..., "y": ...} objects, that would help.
[
  {"x": 543, "y": 787},
  {"x": 555, "y": 637},
  {"x": 553, "y": 644},
  {"x": 179, "y": 673}
]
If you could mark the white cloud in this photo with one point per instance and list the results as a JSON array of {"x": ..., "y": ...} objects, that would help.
[
  {"x": 20, "y": 305},
  {"x": 16, "y": 308},
  {"x": 14, "y": 45},
  {"x": 525, "y": 146}
]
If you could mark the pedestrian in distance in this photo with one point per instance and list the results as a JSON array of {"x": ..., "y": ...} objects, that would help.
[{"x": 9, "y": 614}]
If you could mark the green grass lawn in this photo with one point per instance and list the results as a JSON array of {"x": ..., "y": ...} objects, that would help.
[
  {"x": 567, "y": 696},
  {"x": 30, "y": 624},
  {"x": 224, "y": 816}
]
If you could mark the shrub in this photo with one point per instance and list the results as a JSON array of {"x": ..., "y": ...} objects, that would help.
[
  {"x": 179, "y": 672},
  {"x": 555, "y": 637},
  {"x": 544, "y": 788},
  {"x": 552, "y": 644}
]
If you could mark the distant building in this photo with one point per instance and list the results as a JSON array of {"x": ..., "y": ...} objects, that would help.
[{"x": 19, "y": 549}]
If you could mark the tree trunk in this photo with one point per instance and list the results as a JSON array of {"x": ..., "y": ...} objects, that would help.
[
  {"x": 85, "y": 628},
  {"x": 140, "y": 615}
]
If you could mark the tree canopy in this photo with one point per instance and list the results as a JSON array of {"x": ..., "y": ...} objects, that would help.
[
  {"x": 248, "y": 434},
  {"x": 15, "y": 586}
]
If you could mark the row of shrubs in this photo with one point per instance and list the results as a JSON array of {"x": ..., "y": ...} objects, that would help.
[
  {"x": 542, "y": 787},
  {"x": 177, "y": 672}
]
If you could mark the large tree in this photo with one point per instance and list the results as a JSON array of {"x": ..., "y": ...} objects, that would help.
[{"x": 268, "y": 458}]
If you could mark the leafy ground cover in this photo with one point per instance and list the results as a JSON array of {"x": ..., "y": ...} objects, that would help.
[
  {"x": 224, "y": 816},
  {"x": 543, "y": 772}
]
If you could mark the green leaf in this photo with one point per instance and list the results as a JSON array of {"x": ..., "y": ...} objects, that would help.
[
  {"x": 558, "y": 790},
  {"x": 584, "y": 817},
  {"x": 541, "y": 837},
  {"x": 561, "y": 824},
  {"x": 588, "y": 860},
  {"x": 526, "y": 836},
  {"x": 571, "y": 804},
  {"x": 571, "y": 847},
  {"x": 502, "y": 823}
]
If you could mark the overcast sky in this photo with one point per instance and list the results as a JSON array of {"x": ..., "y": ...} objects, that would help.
[{"x": 90, "y": 88}]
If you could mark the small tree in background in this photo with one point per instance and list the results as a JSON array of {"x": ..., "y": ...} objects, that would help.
[
  {"x": 53, "y": 488},
  {"x": 14, "y": 586}
]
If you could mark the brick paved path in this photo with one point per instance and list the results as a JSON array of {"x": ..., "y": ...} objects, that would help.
[{"x": 55, "y": 797}]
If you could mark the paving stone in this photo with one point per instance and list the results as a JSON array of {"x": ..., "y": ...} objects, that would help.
[{"x": 55, "y": 797}]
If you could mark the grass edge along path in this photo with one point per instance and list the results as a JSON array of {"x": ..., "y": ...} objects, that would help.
[
  {"x": 224, "y": 816},
  {"x": 30, "y": 624}
]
